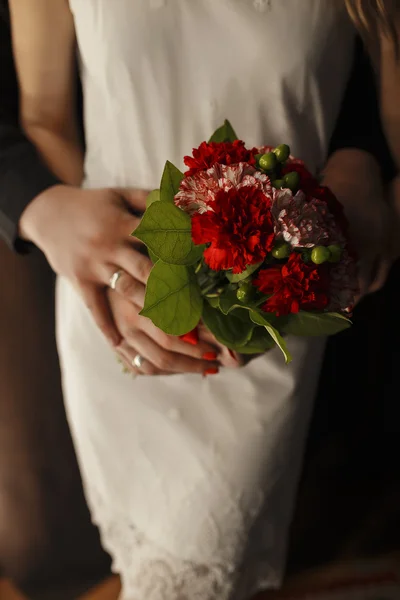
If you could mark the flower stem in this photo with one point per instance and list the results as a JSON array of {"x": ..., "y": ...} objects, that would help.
[{"x": 208, "y": 288}]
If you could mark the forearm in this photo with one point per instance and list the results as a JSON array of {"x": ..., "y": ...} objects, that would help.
[
  {"x": 354, "y": 175},
  {"x": 60, "y": 150},
  {"x": 361, "y": 129},
  {"x": 390, "y": 93},
  {"x": 355, "y": 178},
  {"x": 23, "y": 174},
  {"x": 44, "y": 52}
]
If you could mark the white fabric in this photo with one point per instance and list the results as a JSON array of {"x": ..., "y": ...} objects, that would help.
[{"x": 191, "y": 479}]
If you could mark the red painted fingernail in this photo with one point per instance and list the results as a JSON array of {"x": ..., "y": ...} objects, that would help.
[
  {"x": 191, "y": 338},
  {"x": 212, "y": 371},
  {"x": 210, "y": 356}
]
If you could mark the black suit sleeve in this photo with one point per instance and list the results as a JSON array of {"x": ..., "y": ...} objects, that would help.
[
  {"x": 23, "y": 174},
  {"x": 359, "y": 123}
]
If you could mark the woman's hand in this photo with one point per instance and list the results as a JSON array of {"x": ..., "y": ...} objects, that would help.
[
  {"x": 161, "y": 354},
  {"x": 226, "y": 358},
  {"x": 85, "y": 235}
]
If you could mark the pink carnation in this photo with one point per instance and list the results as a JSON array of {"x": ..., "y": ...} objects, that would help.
[
  {"x": 198, "y": 191},
  {"x": 304, "y": 222}
]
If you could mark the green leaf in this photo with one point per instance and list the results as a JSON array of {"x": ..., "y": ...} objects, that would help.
[
  {"x": 170, "y": 182},
  {"x": 231, "y": 331},
  {"x": 315, "y": 324},
  {"x": 173, "y": 300},
  {"x": 260, "y": 342},
  {"x": 228, "y": 301},
  {"x": 214, "y": 301},
  {"x": 261, "y": 319},
  {"x": 152, "y": 256},
  {"x": 235, "y": 277},
  {"x": 166, "y": 231},
  {"x": 194, "y": 256},
  {"x": 154, "y": 196},
  {"x": 225, "y": 133}
]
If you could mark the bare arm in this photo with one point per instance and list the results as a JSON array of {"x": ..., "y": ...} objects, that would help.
[
  {"x": 390, "y": 92},
  {"x": 354, "y": 176},
  {"x": 390, "y": 109},
  {"x": 44, "y": 50}
]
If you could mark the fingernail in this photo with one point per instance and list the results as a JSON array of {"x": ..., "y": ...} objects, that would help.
[
  {"x": 191, "y": 338},
  {"x": 210, "y": 356},
  {"x": 211, "y": 371}
]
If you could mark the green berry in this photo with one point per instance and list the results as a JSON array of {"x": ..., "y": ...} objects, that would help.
[
  {"x": 278, "y": 184},
  {"x": 282, "y": 152},
  {"x": 281, "y": 250},
  {"x": 320, "y": 254},
  {"x": 268, "y": 161},
  {"x": 245, "y": 291},
  {"x": 292, "y": 181},
  {"x": 336, "y": 253}
]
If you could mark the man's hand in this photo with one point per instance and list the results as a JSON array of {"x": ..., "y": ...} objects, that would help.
[{"x": 85, "y": 235}]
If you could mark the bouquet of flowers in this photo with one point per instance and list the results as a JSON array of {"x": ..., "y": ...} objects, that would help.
[{"x": 248, "y": 242}]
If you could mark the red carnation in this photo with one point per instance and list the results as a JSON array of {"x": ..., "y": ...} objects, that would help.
[
  {"x": 224, "y": 153},
  {"x": 239, "y": 228},
  {"x": 294, "y": 286}
]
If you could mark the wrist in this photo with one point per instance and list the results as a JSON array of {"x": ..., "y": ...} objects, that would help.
[{"x": 36, "y": 216}]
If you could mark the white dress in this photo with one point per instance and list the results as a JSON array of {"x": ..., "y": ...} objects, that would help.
[{"x": 192, "y": 480}]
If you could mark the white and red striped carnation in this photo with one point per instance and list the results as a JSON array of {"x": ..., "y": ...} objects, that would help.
[
  {"x": 198, "y": 191},
  {"x": 304, "y": 222}
]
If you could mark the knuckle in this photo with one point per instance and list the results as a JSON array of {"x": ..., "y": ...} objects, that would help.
[
  {"x": 142, "y": 267},
  {"x": 127, "y": 286},
  {"x": 166, "y": 342},
  {"x": 96, "y": 238},
  {"x": 130, "y": 336},
  {"x": 165, "y": 361},
  {"x": 198, "y": 366},
  {"x": 152, "y": 369}
]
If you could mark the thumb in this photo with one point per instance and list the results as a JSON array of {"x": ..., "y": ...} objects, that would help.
[{"x": 135, "y": 198}]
